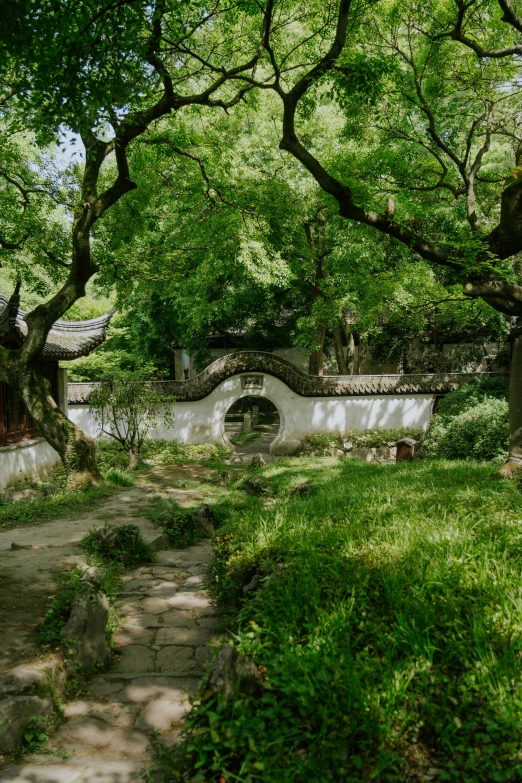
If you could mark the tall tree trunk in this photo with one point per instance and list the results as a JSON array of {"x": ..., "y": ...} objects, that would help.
[
  {"x": 339, "y": 353},
  {"x": 513, "y": 466},
  {"x": 315, "y": 362},
  {"x": 361, "y": 359},
  {"x": 77, "y": 450},
  {"x": 350, "y": 352}
]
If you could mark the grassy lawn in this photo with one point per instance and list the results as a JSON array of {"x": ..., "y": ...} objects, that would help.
[
  {"x": 389, "y": 620},
  {"x": 34, "y": 512}
]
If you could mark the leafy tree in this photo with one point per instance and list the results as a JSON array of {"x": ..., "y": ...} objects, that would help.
[
  {"x": 106, "y": 72},
  {"x": 432, "y": 126},
  {"x": 127, "y": 407}
]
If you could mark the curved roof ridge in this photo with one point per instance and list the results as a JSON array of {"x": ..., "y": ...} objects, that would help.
[
  {"x": 66, "y": 339},
  {"x": 261, "y": 362}
]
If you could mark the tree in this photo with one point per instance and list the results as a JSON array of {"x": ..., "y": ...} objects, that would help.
[
  {"x": 440, "y": 123},
  {"x": 127, "y": 407},
  {"x": 107, "y": 72}
]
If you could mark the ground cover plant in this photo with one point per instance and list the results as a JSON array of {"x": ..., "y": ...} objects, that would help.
[
  {"x": 329, "y": 445},
  {"x": 388, "y": 618},
  {"x": 110, "y": 455},
  {"x": 66, "y": 502}
]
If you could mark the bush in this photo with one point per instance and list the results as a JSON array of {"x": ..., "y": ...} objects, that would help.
[
  {"x": 124, "y": 545},
  {"x": 178, "y": 523},
  {"x": 471, "y": 423}
]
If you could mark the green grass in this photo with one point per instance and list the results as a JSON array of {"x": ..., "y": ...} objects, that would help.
[
  {"x": 35, "y": 512},
  {"x": 389, "y": 620},
  {"x": 243, "y": 438},
  {"x": 110, "y": 455},
  {"x": 120, "y": 477}
]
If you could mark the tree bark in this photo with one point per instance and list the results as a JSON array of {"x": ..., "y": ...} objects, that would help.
[
  {"x": 513, "y": 466},
  {"x": 315, "y": 362},
  {"x": 77, "y": 450},
  {"x": 339, "y": 353}
]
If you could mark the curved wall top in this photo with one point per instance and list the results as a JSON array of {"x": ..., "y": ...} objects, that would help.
[{"x": 299, "y": 382}]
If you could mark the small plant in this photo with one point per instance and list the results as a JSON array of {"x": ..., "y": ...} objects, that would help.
[
  {"x": 34, "y": 735},
  {"x": 122, "y": 478},
  {"x": 122, "y": 545},
  {"x": 70, "y": 584},
  {"x": 178, "y": 523}
]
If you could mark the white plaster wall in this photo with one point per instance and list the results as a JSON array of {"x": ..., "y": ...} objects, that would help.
[
  {"x": 31, "y": 458},
  {"x": 203, "y": 421}
]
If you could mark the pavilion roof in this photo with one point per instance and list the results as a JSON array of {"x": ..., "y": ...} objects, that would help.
[{"x": 66, "y": 339}]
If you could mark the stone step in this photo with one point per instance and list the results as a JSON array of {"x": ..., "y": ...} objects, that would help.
[{"x": 72, "y": 771}]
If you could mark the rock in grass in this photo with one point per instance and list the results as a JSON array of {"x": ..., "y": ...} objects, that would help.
[
  {"x": 253, "y": 584},
  {"x": 302, "y": 490},
  {"x": 233, "y": 673},
  {"x": 83, "y": 636},
  {"x": 254, "y": 486},
  {"x": 204, "y": 518},
  {"x": 257, "y": 461}
]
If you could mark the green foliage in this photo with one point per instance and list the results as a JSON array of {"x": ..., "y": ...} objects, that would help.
[
  {"x": 70, "y": 584},
  {"x": 34, "y": 735},
  {"x": 177, "y": 522},
  {"x": 127, "y": 548},
  {"x": 120, "y": 477},
  {"x": 243, "y": 438},
  {"x": 35, "y": 512},
  {"x": 127, "y": 406},
  {"x": 388, "y": 621},
  {"x": 160, "y": 452},
  {"x": 326, "y": 445},
  {"x": 472, "y": 422}
]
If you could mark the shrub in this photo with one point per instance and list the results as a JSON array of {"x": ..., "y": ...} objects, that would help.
[
  {"x": 178, "y": 523},
  {"x": 482, "y": 433},
  {"x": 471, "y": 423},
  {"x": 160, "y": 452},
  {"x": 123, "y": 545}
]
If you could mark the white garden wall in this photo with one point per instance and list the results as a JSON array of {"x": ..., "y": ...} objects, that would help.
[
  {"x": 29, "y": 458},
  {"x": 202, "y": 421}
]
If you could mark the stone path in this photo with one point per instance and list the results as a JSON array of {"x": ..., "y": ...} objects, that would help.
[
  {"x": 261, "y": 445},
  {"x": 167, "y": 623}
]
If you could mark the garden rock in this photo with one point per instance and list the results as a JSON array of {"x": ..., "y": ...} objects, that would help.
[
  {"x": 108, "y": 537},
  {"x": 94, "y": 575},
  {"x": 84, "y": 635},
  {"x": 302, "y": 490},
  {"x": 253, "y": 584},
  {"x": 15, "y": 714},
  {"x": 232, "y": 672},
  {"x": 257, "y": 461},
  {"x": 204, "y": 518},
  {"x": 254, "y": 486}
]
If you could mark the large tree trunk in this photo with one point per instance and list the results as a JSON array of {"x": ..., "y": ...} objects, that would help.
[
  {"x": 315, "y": 362},
  {"x": 513, "y": 466},
  {"x": 339, "y": 353},
  {"x": 77, "y": 450}
]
